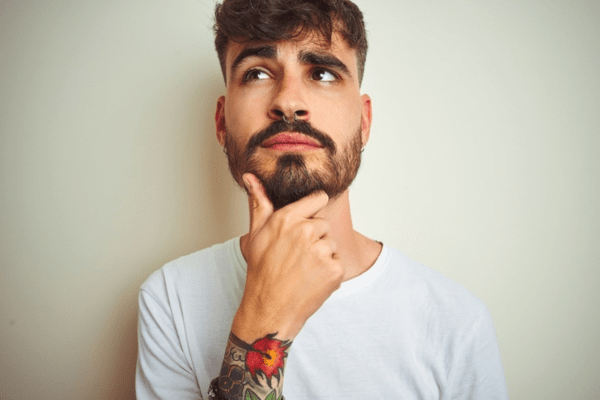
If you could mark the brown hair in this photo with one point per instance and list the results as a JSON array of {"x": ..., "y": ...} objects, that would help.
[{"x": 272, "y": 20}]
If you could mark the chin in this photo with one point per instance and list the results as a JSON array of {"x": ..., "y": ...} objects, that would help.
[{"x": 293, "y": 179}]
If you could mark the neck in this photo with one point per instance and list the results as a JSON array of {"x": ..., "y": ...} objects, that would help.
[{"x": 357, "y": 252}]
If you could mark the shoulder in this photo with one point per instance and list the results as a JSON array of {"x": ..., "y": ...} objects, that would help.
[
  {"x": 207, "y": 267},
  {"x": 430, "y": 290}
]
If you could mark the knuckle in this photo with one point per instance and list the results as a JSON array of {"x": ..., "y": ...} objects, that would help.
[
  {"x": 323, "y": 251},
  {"x": 282, "y": 218},
  {"x": 306, "y": 230},
  {"x": 285, "y": 217}
]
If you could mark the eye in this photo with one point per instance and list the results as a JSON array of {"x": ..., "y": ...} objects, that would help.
[
  {"x": 256, "y": 75},
  {"x": 324, "y": 75}
]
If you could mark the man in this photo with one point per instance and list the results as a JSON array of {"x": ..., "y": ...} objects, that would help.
[{"x": 303, "y": 295}]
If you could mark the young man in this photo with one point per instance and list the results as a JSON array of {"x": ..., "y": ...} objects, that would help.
[{"x": 302, "y": 294}]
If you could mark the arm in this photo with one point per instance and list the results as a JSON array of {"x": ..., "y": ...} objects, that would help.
[
  {"x": 476, "y": 370},
  {"x": 292, "y": 270},
  {"x": 162, "y": 371}
]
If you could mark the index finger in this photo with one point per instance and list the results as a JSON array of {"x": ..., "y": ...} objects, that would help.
[
  {"x": 259, "y": 205},
  {"x": 309, "y": 205}
]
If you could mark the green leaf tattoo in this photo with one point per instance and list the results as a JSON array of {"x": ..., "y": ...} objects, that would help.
[
  {"x": 271, "y": 396},
  {"x": 250, "y": 395}
]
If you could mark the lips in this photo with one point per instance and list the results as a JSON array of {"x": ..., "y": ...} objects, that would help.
[{"x": 291, "y": 141}]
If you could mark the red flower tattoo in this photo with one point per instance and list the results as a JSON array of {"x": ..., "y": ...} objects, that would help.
[{"x": 267, "y": 356}]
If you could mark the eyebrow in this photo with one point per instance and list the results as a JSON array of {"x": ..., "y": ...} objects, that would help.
[
  {"x": 265, "y": 51},
  {"x": 306, "y": 57},
  {"x": 323, "y": 60}
]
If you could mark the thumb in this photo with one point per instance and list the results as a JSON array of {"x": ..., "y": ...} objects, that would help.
[{"x": 259, "y": 205}]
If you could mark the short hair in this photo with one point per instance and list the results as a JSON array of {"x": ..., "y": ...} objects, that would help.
[{"x": 243, "y": 21}]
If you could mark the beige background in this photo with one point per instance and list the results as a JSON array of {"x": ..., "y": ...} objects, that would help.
[{"x": 483, "y": 165}]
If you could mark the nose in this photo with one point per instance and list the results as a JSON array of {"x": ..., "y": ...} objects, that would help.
[{"x": 289, "y": 100}]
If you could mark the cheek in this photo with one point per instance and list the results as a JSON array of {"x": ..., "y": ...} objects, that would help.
[
  {"x": 341, "y": 118},
  {"x": 245, "y": 113},
  {"x": 233, "y": 111}
]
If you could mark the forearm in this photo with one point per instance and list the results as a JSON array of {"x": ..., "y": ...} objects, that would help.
[
  {"x": 292, "y": 270},
  {"x": 251, "y": 371}
]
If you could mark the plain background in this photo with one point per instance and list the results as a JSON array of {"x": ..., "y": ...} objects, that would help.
[{"x": 483, "y": 164}]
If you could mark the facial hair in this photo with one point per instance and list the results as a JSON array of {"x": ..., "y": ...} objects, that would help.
[{"x": 292, "y": 179}]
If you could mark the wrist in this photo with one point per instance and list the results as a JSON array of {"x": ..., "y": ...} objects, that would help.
[
  {"x": 250, "y": 327},
  {"x": 251, "y": 370}
]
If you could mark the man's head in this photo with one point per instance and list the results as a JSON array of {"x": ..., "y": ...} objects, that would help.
[
  {"x": 293, "y": 114},
  {"x": 275, "y": 20}
]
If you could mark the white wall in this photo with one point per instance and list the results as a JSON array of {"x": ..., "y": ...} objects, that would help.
[{"x": 482, "y": 165}]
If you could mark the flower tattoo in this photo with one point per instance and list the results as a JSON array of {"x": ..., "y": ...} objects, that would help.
[
  {"x": 266, "y": 357},
  {"x": 251, "y": 371}
]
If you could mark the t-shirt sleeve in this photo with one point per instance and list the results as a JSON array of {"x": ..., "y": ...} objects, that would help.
[
  {"x": 477, "y": 372},
  {"x": 163, "y": 372}
]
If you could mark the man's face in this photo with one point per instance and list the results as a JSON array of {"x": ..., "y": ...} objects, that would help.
[{"x": 316, "y": 85}]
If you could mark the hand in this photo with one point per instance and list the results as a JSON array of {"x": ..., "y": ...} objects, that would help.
[{"x": 292, "y": 265}]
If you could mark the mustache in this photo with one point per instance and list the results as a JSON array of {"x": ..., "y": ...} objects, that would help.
[{"x": 298, "y": 126}]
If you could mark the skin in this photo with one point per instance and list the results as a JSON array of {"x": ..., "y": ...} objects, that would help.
[{"x": 304, "y": 251}]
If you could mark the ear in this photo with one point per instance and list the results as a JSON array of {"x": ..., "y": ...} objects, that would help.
[
  {"x": 220, "y": 120},
  {"x": 366, "y": 118}
]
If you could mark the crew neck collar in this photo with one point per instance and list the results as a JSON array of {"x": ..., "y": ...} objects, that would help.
[{"x": 349, "y": 287}]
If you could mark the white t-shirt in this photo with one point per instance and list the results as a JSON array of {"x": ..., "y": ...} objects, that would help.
[{"x": 398, "y": 331}]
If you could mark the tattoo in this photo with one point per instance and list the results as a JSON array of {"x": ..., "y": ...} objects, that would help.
[{"x": 251, "y": 372}]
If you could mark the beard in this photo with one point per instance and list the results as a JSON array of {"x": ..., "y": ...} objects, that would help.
[{"x": 292, "y": 179}]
